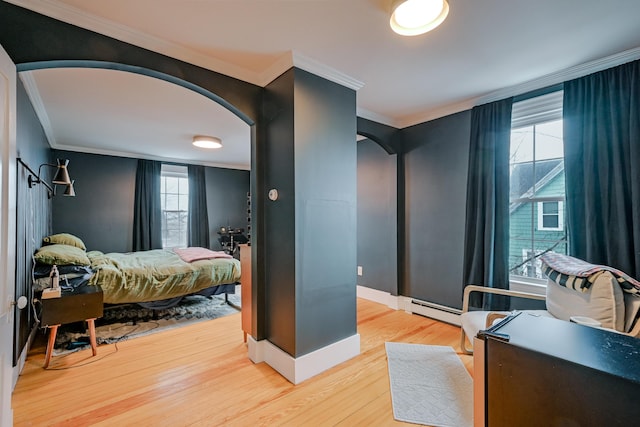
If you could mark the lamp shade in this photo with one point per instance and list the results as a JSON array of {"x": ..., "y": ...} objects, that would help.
[
  {"x": 69, "y": 191},
  {"x": 62, "y": 175},
  {"x": 414, "y": 17}
]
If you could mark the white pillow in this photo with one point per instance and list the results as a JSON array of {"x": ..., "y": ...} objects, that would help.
[
  {"x": 603, "y": 302},
  {"x": 631, "y": 307}
]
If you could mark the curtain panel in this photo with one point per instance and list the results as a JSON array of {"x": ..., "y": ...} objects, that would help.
[
  {"x": 147, "y": 209},
  {"x": 486, "y": 251},
  {"x": 602, "y": 154},
  {"x": 198, "y": 225}
]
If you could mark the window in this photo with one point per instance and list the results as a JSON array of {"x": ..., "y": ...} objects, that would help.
[
  {"x": 174, "y": 195},
  {"x": 550, "y": 216},
  {"x": 536, "y": 198}
]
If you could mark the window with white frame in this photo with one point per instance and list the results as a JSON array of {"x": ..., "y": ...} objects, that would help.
[
  {"x": 537, "y": 194},
  {"x": 550, "y": 216},
  {"x": 174, "y": 194}
]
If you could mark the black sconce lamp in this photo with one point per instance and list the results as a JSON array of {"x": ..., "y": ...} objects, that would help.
[{"x": 61, "y": 177}]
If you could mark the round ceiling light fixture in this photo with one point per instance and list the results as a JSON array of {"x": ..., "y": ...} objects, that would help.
[
  {"x": 414, "y": 17},
  {"x": 207, "y": 142}
]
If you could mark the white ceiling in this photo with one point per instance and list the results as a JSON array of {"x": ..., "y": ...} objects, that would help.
[{"x": 485, "y": 50}]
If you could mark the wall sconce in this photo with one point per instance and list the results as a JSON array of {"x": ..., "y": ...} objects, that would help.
[{"x": 61, "y": 177}]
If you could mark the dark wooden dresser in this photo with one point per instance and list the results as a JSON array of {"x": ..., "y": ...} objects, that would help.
[{"x": 555, "y": 373}]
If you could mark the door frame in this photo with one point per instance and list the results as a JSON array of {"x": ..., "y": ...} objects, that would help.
[{"x": 8, "y": 176}]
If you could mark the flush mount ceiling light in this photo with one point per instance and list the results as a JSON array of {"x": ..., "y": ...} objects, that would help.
[
  {"x": 207, "y": 141},
  {"x": 413, "y": 17}
]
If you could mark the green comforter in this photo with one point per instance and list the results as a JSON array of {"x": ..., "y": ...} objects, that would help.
[{"x": 156, "y": 275}]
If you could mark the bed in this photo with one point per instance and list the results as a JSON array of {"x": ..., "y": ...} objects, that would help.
[{"x": 154, "y": 279}]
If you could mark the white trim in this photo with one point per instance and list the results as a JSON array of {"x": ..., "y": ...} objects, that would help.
[
  {"x": 123, "y": 33},
  {"x": 77, "y": 17},
  {"x": 380, "y": 297},
  {"x": 295, "y": 59},
  {"x": 532, "y": 286},
  {"x": 297, "y": 370},
  {"x": 116, "y": 153},
  {"x": 433, "y": 311},
  {"x": 411, "y": 305},
  {"x": 33, "y": 92},
  {"x": 541, "y": 214},
  {"x": 8, "y": 209},
  {"x": 519, "y": 89}
]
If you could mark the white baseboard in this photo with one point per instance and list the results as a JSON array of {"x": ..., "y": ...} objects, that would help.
[
  {"x": 380, "y": 297},
  {"x": 433, "y": 311},
  {"x": 411, "y": 305},
  {"x": 296, "y": 370}
]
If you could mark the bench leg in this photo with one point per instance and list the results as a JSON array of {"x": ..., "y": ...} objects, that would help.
[
  {"x": 53, "y": 331},
  {"x": 92, "y": 335}
]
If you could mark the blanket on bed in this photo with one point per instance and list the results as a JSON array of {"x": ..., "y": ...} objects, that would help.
[
  {"x": 196, "y": 253},
  {"x": 577, "y": 274},
  {"x": 157, "y": 275}
]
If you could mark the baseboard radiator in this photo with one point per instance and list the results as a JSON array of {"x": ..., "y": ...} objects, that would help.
[{"x": 434, "y": 311}]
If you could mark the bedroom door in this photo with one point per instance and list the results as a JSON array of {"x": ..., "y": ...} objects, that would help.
[{"x": 7, "y": 230}]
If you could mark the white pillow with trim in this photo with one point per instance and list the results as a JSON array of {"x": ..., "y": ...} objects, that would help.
[{"x": 603, "y": 302}]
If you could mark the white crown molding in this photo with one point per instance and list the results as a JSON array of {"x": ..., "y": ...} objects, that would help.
[
  {"x": 123, "y": 33},
  {"x": 115, "y": 153},
  {"x": 74, "y": 16},
  {"x": 126, "y": 34},
  {"x": 295, "y": 59},
  {"x": 370, "y": 115},
  {"x": 324, "y": 71},
  {"x": 31, "y": 87},
  {"x": 539, "y": 83}
]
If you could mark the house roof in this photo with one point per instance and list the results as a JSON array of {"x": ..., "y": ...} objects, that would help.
[{"x": 523, "y": 183}]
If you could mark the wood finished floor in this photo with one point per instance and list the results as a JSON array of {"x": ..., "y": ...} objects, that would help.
[{"x": 200, "y": 375}]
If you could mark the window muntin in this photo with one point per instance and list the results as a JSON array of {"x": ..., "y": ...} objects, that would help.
[
  {"x": 536, "y": 210},
  {"x": 174, "y": 199}
]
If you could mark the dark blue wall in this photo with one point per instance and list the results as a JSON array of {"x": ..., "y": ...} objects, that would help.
[
  {"x": 101, "y": 214},
  {"x": 326, "y": 211},
  {"x": 310, "y": 230},
  {"x": 226, "y": 200},
  {"x": 279, "y": 216},
  {"x": 377, "y": 217},
  {"x": 435, "y": 172}
]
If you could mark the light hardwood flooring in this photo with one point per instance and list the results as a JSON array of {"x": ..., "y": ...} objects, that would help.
[{"x": 200, "y": 375}]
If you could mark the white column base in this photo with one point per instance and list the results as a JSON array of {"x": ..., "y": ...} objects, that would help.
[{"x": 296, "y": 370}]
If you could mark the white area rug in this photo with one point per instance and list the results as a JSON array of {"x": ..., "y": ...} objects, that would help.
[{"x": 429, "y": 385}]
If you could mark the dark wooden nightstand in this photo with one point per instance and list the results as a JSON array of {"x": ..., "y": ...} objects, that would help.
[{"x": 83, "y": 303}]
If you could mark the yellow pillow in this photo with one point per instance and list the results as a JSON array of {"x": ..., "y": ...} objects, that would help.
[
  {"x": 61, "y": 255},
  {"x": 65, "y": 239}
]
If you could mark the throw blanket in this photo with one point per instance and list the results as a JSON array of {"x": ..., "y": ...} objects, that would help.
[
  {"x": 195, "y": 254},
  {"x": 579, "y": 275}
]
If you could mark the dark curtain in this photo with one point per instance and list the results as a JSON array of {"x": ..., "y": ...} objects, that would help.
[
  {"x": 198, "y": 219},
  {"x": 147, "y": 210},
  {"x": 602, "y": 167},
  {"x": 486, "y": 251}
]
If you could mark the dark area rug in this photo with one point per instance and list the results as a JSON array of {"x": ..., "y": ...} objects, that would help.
[{"x": 124, "y": 322}]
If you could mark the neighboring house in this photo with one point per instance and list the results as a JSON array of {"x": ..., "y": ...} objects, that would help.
[{"x": 536, "y": 215}]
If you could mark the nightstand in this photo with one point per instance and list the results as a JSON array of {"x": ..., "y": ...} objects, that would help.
[{"x": 83, "y": 303}]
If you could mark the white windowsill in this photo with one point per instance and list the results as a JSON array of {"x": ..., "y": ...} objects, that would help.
[{"x": 533, "y": 286}]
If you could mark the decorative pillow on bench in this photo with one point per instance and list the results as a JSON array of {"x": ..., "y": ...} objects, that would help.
[{"x": 603, "y": 301}]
